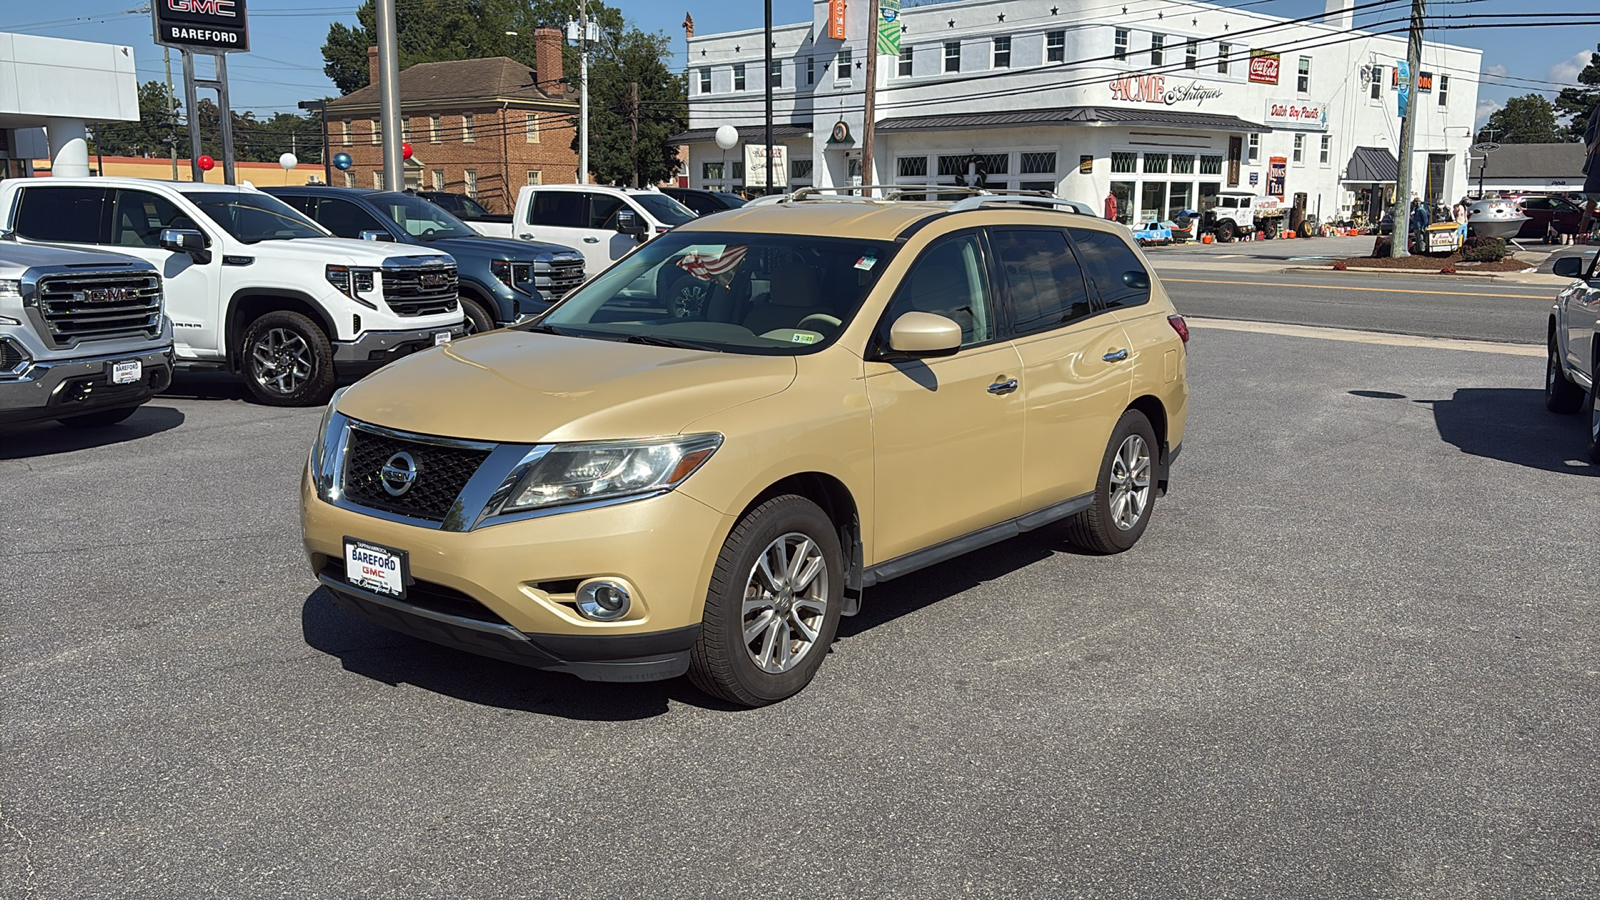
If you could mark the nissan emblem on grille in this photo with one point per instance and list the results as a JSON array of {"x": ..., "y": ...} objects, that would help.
[
  {"x": 398, "y": 474},
  {"x": 108, "y": 295}
]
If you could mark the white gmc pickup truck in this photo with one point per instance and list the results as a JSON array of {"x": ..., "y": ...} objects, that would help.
[
  {"x": 252, "y": 284},
  {"x": 1572, "y": 367}
]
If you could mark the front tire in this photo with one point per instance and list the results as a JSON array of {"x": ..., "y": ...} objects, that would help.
[
  {"x": 478, "y": 319},
  {"x": 100, "y": 418},
  {"x": 1226, "y": 232},
  {"x": 773, "y": 607},
  {"x": 287, "y": 360},
  {"x": 1594, "y": 412},
  {"x": 1560, "y": 395},
  {"x": 1124, "y": 494}
]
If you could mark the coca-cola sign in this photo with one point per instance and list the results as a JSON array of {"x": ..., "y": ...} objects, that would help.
[
  {"x": 1263, "y": 67},
  {"x": 1154, "y": 89}
]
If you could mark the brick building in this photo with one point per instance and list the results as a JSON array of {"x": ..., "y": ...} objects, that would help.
[{"x": 480, "y": 127}]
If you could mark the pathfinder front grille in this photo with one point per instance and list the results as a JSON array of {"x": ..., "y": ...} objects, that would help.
[
  {"x": 441, "y": 473},
  {"x": 420, "y": 290},
  {"x": 99, "y": 306}
]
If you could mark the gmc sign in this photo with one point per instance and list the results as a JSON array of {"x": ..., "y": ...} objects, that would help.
[{"x": 201, "y": 24}]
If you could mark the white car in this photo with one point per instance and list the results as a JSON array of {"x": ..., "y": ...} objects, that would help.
[
  {"x": 252, "y": 284},
  {"x": 1572, "y": 367},
  {"x": 603, "y": 223}
]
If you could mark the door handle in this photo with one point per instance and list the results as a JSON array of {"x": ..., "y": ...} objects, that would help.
[
  {"x": 591, "y": 240},
  {"x": 1003, "y": 387},
  {"x": 525, "y": 236},
  {"x": 1116, "y": 356}
]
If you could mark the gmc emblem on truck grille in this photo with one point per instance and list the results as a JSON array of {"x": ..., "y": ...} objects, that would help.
[
  {"x": 434, "y": 280},
  {"x": 107, "y": 295}
]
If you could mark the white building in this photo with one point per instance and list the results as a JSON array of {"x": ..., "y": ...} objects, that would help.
[
  {"x": 50, "y": 89},
  {"x": 1160, "y": 103}
]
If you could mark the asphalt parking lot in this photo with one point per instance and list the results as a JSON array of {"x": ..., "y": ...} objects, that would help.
[{"x": 1355, "y": 655}]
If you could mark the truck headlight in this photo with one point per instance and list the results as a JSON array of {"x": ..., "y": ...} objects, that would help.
[
  {"x": 352, "y": 282},
  {"x": 604, "y": 470},
  {"x": 10, "y": 289}
]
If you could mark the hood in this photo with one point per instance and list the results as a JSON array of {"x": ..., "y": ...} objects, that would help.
[
  {"x": 497, "y": 248},
  {"x": 341, "y": 251},
  {"x": 513, "y": 386},
  {"x": 16, "y": 257}
]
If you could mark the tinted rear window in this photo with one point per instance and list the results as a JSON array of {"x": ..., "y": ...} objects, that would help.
[
  {"x": 1044, "y": 286},
  {"x": 1113, "y": 267},
  {"x": 71, "y": 214}
]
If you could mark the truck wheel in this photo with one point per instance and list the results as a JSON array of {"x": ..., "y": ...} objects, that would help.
[
  {"x": 1560, "y": 395},
  {"x": 1594, "y": 412},
  {"x": 99, "y": 418},
  {"x": 1270, "y": 228},
  {"x": 1226, "y": 232},
  {"x": 478, "y": 319},
  {"x": 287, "y": 360},
  {"x": 1125, "y": 491},
  {"x": 773, "y": 606}
]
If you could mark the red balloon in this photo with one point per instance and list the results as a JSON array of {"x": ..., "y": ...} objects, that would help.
[
  {"x": 206, "y": 163},
  {"x": 405, "y": 150}
]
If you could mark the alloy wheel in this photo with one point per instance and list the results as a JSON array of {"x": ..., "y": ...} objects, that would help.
[
  {"x": 785, "y": 602},
  {"x": 1130, "y": 482},
  {"x": 283, "y": 360}
]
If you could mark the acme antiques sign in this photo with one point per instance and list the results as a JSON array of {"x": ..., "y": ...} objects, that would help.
[{"x": 1154, "y": 89}]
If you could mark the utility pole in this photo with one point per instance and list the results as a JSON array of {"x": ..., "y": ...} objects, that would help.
[
  {"x": 172, "y": 137},
  {"x": 633, "y": 117},
  {"x": 1408, "y": 137},
  {"x": 870, "y": 107},
  {"x": 766, "y": 187},
  {"x": 583, "y": 92},
  {"x": 394, "y": 177}
]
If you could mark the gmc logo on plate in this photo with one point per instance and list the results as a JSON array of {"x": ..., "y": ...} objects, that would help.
[
  {"x": 107, "y": 295},
  {"x": 434, "y": 280}
]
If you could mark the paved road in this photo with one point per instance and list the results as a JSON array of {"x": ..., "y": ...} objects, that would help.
[{"x": 1356, "y": 655}]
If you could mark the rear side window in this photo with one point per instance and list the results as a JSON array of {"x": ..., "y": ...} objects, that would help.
[
  {"x": 75, "y": 215},
  {"x": 1115, "y": 270},
  {"x": 559, "y": 209},
  {"x": 1044, "y": 284}
]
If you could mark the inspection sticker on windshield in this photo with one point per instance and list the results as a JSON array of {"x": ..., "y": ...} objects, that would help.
[
  {"x": 375, "y": 568},
  {"x": 804, "y": 337},
  {"x": 866, "y": 263},
  {"x": 126, "y": 372},
  {"x": 441, "y": 337}
]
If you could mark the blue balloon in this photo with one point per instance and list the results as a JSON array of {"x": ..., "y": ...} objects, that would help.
[{"x": 342, "y": 161}]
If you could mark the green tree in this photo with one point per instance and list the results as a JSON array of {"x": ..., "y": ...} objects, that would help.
[
  {"x": 1530, "y": 119},
  {"x": 634, "y": 57},
  {"x": 1578, "y": 102},
  {"x": 146, "y": 137}
]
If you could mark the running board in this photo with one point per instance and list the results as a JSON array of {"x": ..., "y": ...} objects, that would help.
[{"x": 994, "y": 534}]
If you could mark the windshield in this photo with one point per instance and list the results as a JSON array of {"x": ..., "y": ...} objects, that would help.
[
  {"x": 252, "y": 217},
  {"x": 420, "y": 218},
  {"x": 664, "y": 209},
  {"x": 742, "y": 293}
]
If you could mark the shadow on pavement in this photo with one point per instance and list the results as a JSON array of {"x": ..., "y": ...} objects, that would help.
[
  {"x": 1512, "y": 425},
  {"x": 49, "y": 438},
  {"x": 206, "y": 384}
]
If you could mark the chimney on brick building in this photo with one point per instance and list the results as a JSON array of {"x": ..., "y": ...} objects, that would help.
[
  {"x": 547, "y": 60},
  {"x": 372, "y": 65}
]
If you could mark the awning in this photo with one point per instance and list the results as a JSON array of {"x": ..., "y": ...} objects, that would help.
[
  {"x": 749, "y": 134},
  {"x": 1073, "y": 115},
  {"x": 1372, "y": 165}
]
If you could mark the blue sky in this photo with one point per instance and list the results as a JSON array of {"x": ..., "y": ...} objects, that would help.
[{"x": 285, "y": 65}]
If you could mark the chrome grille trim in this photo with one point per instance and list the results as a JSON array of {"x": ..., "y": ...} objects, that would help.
[
  {"x": 420, "y": 290},
  {"x": 87, "y": 306}
]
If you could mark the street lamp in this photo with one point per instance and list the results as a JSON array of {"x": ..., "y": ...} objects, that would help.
[{"x": 321, "y": 106}]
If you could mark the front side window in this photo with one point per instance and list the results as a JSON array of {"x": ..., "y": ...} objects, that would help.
[
  {"x": 738, "y": 77},
  {"x": 1121, "y": 48},
  {"x": 948, "y": 280},
  {"x": 1113, "y": 267},
  {"x": 664, "y": 209},
  {"x": 952, "y": 56},
  {"x": 1303, "y": 84},
  {"x": 75, "y": 215},
  {"x": 763, "y": 294},
  {"x": 904, "y": 68},
  {"x": 1055, "y": 46},
  {"x": 1158, "y": 47},
  {"x": 140, "y": 216},
  {"x": 346, "y": 219},
  {"x": 1002, "y": 53},
  {"x": 1044, "y": 285},
  {"x": 250, "y": 216}
]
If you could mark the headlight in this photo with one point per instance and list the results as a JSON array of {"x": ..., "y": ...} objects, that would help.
[
  {"x": 329, "y": 445},
  {"x": 10, "y": 289},
  {"x": 351, "y": 282},
  {"x": 577, "y": 473},
  {"x": 501, "y": 269}
]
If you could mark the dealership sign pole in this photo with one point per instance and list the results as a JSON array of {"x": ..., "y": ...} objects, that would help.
[{"x": 215, "y": 28}]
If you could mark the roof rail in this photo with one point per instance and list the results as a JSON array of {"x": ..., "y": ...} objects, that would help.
[{"x": 1032, "y": 198}]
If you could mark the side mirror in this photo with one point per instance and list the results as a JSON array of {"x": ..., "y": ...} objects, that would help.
[
  {"x": 628, "y": 223},
  {"x": 1568, "y": 267},
  {"x": 924, "y": 334},
  {"x": 376, "y": 235},
  {"x": 1139, "y": 281},
  {"x": 186, "y": 240}
]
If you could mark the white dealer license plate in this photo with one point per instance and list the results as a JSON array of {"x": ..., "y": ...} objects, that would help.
[
  {"x": 377, "y": 569},
  {"x": 441, "y": 337},
  {"x": 127, "y": 372}
]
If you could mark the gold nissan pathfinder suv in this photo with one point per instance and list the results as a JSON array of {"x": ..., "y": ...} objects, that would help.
[{"x": 698, "y": 461}]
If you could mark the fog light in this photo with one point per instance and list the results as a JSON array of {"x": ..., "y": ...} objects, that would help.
[{"x": 603, "y": 600}]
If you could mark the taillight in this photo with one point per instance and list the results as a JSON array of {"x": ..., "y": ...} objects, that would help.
[{"x": 1180, "y": 326}]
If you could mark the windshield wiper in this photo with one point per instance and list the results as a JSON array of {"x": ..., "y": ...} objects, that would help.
[
  {"x": 658, "y": 341},
  {"x": 540, "y": 328}
]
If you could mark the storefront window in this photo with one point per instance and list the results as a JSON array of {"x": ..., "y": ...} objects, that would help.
[
  {"x": 1182, "y": 164},
  {"x": 1123, "y": 191},
  {"x": 1155, "y": 162},
  {"x": 1208, "y": 194},
  {"x": 1124, "y": 162},
  {"x": 1152, "y": 200},
  {"x": 711, "y": 170},
  {"x": 912, "y": 167},
  {"x": 1210, "y": 165},
  {"x": 1179, "y": 198},
  {"x": 1039, "y": 163}
]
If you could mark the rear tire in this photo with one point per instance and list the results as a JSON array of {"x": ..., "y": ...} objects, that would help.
[
  {"x": 773, "y": 606},
  {"x": 99, "y": 418},
  {"x": 1560, "y": 395},
  {"x": 287, "y": 360},
  {"x": 1125, "y": 492},
  {"x": 1594, "y": 412}
]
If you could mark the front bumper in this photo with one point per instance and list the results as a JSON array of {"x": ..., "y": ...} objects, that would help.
[
  {"x": 57, "y": 389},
  {"x": 505, "y": 591},
  {"x": 374, "y": 348}
]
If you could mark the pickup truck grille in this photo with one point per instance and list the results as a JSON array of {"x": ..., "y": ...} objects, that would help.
[
  {"x": 92, "y": 306},
  {"x": 420, "y": 290},
  {"x": 558, "y": 277},
  {"x": 441, "y": 473}
]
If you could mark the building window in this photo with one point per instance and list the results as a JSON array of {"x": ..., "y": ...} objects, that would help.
[
  {"x": 1444, "y": 90},
  {"x": 377, "y": 135},
  {"x": 533, "y": 128},
  {"x": 1124, "y": 162},
  {"x": 952, "y": 56},
  {"x": 951, "y": 166},
  {"x": 705, "y": 80},
  {"x": 349, "y": 179},
  {"x": 1121, "y": 51},
  {"x": 1223, "y": 52},
  {"x": 1304, "y": 83},
  {"x": 1155, "y": 162},
  {"x": 775, "y": 74},
  {"x": 405, "y": 130},
  {"x": 1299, "y": 149},
  {"x": 799, "y": 169},
  {"x": 1210, "y": 165},
  {"x": 433, "y": 129},
  {"x": 535, "y": 176},
  {"x": 711, "y": 171},
  {"x": 344, "y": 130},
  {"x": 1002, "y": 53},
  {"x": 1055, "y": 46},
  {"x": 377, "y": 180},
  {"x": 1158, "y": 48},
  {"x": 1375, "y": 89},
  {"x": 437, "y": 177},
  {"x": 1327, "y": 149},
  {"x": 904, "y": 68},
  {"x": 1182, "y": 164},
  {"x": 844, "y": 66},
  {"x": 738, "y": 170},
  {"x": 1041, "y": 163},
  {"x": 738, "y": 77},
  {"x": 1191, "y": 54},
  {"x": 1253, "y": 149},
  {"x": 911, "y": 167},
  {"x": 811, "y": 70},
  {"x": 467, "y": 120},
  {"x": 469, "y": 178}
]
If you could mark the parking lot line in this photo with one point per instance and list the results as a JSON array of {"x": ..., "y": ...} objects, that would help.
[
  {"x": 1368, "y": 337},
  {"x": 1340, "y": 287}
]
